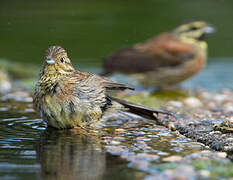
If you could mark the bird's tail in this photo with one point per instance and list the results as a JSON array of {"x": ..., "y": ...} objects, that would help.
[{"x": 141, "y": 110}]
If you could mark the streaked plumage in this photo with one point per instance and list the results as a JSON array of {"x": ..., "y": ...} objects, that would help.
[
  {"x": 66, "y": 98},
  {"x": 166, "y": 59}
]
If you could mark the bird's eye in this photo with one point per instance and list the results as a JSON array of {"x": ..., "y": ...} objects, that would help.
[
  {"x": 62, "y": 60},
  {"x": 194, "y": 28}
]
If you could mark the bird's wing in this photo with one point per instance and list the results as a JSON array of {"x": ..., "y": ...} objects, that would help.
[
  {"x": 111, "y": 85},
  {"x": 128, "y": 60},
  {"x": 162, "y": 51},
  {"x": 167, "y": 50},
  {"x": 95, "y": 88},
  {"x": 95, "y": 81}
]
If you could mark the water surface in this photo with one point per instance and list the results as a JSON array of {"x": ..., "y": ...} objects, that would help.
[{"x": 90, "y": 30}]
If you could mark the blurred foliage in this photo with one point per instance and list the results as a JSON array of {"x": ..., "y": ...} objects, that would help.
[
  {"x": 19, "y": 70},
  {"x": 92, "y": 29}
]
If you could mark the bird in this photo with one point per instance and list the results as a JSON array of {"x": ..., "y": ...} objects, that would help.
[
  {"x": 166, "y": 59},
  {"x": 67, "y": 98}
]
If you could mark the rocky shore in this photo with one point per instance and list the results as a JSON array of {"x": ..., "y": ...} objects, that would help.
[{"x": 204, "y": 116}]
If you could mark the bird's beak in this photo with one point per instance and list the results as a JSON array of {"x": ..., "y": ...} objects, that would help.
[
  {"x": 50, "y": 60},
  {"x": 209, "y": 29}
]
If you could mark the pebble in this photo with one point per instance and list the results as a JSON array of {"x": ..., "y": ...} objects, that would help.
[
  {"x": 219, "y": 98},
  {"x": 204, "y": 174},
  {"x": 165, "y": 134},
  {"x": 115, "y": 142},
  {"x": 206, "y": 96},
  {"x": 215, "y": 132},
  {"x": 228, "y": 108},
  {"x": 119, "y": 131},
  {"x": 196, "y": 146},
  {"x": 171, "y": 126},
  {"x": 206, "y": 152},
  {"x": 183, "y": 172},
  {"x": 139, "y": 164},
  {"x": 5, "y": 84},
  {"x": 143, "y": 139},
  {"x": 152, "y": 136},
  {"x": 19, "y": 96},
  {"x": 173, "y": 158},
  {"x": 229, "y": 140},
  {"x": 162, "y": 153},
  {"x": 177, "y": 104},
  {"x": 222, "y": 154},
  {"x": 177, "y": 149},
  {"x": 29, "y": 110},
  {"x": 212, "y": 105},
  {"x": 4, "y": 108},
  {"x": 119, "y": 138},
  {"x": 115, "y": 150},
  {"x": 146, "y": 157},
  {"x": 192, "y": 102}
]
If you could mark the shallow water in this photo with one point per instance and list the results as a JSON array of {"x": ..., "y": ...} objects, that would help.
[
  {"x": 127, "y": 150},
  {"x": 90, "y": 30}
]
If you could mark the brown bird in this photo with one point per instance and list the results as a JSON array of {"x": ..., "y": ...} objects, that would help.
[
  {"x": 66, "y": 98},
  {"x": 166, "y": 59}
]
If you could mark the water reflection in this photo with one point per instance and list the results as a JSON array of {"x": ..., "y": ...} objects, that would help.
[
  {"x": 69, "y": 155},
  {"x": 127, "y": 150}
]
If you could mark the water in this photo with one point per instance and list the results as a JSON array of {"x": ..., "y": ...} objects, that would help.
[
  {"x": 19, "y": 132},
  {"x": 133, "y": 149},
  {"x": 29, "y": 151},
  {"x": 90, "y": 30}
]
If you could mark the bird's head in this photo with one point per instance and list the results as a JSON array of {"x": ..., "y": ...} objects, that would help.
[
  {"x": 194, "y": 30},
  {"x": 57, "y": 61}
]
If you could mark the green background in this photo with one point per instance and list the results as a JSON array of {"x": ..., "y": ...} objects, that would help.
[{"x": 92, "y": 29}]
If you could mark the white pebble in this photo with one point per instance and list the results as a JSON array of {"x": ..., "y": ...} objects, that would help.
[
  {"x": 192, "y": 102},
  {"x": 177, "y": 104}
]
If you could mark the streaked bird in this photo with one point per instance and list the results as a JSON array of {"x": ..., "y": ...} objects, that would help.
[{"x": 66, "y": 98}]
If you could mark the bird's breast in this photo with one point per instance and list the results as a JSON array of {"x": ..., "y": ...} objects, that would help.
[{"x": 68, "y": 113}]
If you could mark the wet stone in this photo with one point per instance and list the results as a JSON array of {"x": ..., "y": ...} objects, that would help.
[
  {"x": 177, "y": 149},
  {"x": 5, "y": 82},
  {"x": 205, "y": 119},
  {"x": 221, "y": 154},
  {"x": 115, "y": 142},
  {"x": 163, "y": 153},
  {"x": 192, "y": 102},
  {"x": 177, "y": 104},
  {"x": 173, "y": 158},
  {"x": 20, "y": 96},
  {"x": 205, "y": 174},
  {"x": 146, "y": 146}
]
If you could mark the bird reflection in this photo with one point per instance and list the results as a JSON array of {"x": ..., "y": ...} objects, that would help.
[{"x": 69, "y": 155}]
